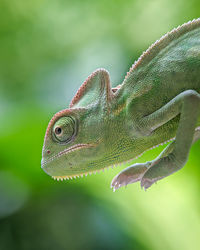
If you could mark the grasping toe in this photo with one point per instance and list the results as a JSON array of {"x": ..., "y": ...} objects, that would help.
[
  {"x": 129, "y": 175},
  {"x": 146, "y": 182}
]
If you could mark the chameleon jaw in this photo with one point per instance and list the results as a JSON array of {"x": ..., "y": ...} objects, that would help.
[
  {"x": 67, "y": 151},
  {"x": 68, "y": 177}
]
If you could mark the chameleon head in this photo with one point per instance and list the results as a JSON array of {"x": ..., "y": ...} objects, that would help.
[
  {"x": 74, "y": 140},
  {"x": 68, "y": 146}
]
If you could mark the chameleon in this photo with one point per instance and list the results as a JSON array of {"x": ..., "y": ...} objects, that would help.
[{"x": 158, "y": 102}]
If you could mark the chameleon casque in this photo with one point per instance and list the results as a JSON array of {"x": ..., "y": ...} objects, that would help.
[{"x": 158, "y": 102}]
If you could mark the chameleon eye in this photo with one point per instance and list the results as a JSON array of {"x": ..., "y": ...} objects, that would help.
[
  {"x": 64, "y": 129},
  {"x": 58, "y": 130}
]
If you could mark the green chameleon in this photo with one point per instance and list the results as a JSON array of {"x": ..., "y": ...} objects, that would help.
[{"x": 158, "y": 102}]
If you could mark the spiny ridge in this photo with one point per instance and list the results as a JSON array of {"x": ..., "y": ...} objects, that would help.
[
  {"x": 58, "y": 178},
  {"x": 160, "y": 44}
]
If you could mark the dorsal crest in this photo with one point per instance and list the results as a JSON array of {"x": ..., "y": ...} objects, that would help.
[
  {"x": 95, "y": 88},
  {"x": 164, "y": 41}
]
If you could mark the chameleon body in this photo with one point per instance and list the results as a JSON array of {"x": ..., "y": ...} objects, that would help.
[{"x": 158, "y": 102}]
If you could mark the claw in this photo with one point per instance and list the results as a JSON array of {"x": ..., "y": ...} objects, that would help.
[
  {"x": 158, "y": 170},
  {"x": 146, "y": 183},
  {"x": 115, "y": 184}
]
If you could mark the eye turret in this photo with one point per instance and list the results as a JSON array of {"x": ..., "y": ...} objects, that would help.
[{"x": 64, "y": 129}]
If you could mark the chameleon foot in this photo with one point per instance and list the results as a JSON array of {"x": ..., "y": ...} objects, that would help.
[
  {"x": 129, "y": 175},
  {"x": 159, "y": 169},
  {"x": 146, "y": 182}
]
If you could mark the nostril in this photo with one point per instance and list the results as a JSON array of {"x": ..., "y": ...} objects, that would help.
[{"x": 48, "y": 151}]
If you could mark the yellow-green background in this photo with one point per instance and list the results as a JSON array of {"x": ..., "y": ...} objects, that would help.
[{"x": 47, "y": 49}]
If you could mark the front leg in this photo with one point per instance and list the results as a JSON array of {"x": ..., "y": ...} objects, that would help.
[
  {"x": 189, "y": 104},
  {"x": 175, "y": 154},
  {"x": 136, "y": 172}
]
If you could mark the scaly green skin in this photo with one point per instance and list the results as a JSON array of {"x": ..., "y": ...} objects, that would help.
[{"x": 158, "y": 101}]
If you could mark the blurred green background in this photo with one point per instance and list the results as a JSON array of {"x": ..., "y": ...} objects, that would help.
[{"x": 47, "y": 49}]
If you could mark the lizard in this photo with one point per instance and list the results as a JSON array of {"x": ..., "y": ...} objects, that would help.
[{"x": 158, "y": 102}]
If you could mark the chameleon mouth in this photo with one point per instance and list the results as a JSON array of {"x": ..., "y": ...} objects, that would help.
[
  {"x": 67, "y": 177},
  {"x": 67, "y": 151}
]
